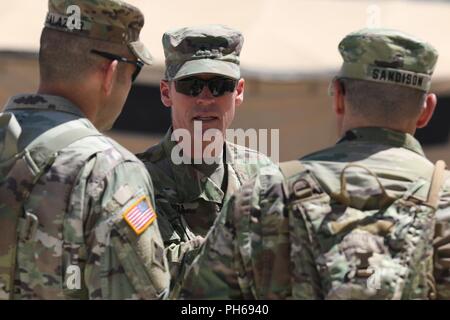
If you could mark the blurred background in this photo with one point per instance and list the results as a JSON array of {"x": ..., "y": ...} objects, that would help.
[{"x": 288, "y": 59}]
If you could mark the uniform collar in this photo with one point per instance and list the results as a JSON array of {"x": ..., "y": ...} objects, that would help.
[
  {"x": 191, "y": 184},
  {"x": 43, "y": 102},
  {"x": 383, "y": 136}
]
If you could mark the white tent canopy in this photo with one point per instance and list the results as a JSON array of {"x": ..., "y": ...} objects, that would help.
[{"x": 284, "y": 39}]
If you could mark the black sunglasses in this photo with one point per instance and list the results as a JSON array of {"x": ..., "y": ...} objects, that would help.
[
  {"x": 139, "y": 64},
  {"x": 193, "y": 86}
]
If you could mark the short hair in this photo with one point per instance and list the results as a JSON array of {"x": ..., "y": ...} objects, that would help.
[
  {"x": 67, "y": 57},
  {"x": 382, "y": 102}
]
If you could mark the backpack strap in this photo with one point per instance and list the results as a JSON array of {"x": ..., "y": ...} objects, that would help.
[
  {"x": 41, "y": 152},
  {"x": 12, "y": 133},
  {"x": 432, "y": 201},
  {"x": 437, "y": 181},
  {"x": 43, "y": 149},
  {"x": 301, "y": 186}
]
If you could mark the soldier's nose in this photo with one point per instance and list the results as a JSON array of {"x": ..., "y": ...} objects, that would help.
[{"x": 205, "y": 97}]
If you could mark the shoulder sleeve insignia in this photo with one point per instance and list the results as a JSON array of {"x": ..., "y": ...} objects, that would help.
[{"x": 140, "y": 215}]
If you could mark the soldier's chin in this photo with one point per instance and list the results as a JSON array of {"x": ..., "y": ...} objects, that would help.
[{"x": 211, "y": 125}]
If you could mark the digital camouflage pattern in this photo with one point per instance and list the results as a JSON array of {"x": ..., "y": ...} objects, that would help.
[
  {"x": 235, "y": 260},
  {"x": 259, "y": 249},
  {"x": 388, "y": 56},
  {"x": 211, "y": 49},
  {"x": 107, "y": 20},
  {"x": 188, "y": 200},
  {"x": 76, "y": 244}
]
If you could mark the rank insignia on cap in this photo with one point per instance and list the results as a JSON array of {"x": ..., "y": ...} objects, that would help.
[{"x": 140, "y": 215}]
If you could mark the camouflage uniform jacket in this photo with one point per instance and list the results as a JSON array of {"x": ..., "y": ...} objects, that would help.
[
  {"x": 82, "y": 246},
  {"x": 188, "y": 201},
  {"x": 245, "y": 253}
]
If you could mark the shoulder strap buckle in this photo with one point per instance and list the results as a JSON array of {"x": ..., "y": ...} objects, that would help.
[
  {"x": 304, "y": 185},
  {"x": 302, "y": 189}
]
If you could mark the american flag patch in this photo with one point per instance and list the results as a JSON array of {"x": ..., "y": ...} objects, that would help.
[{"x": 140, "y": 215}]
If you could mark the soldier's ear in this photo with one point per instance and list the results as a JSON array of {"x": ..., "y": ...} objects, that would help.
[
  {"x": 240, "y": 88},
  {"x": 338, "y": 97},
  {"x": 164, "y": 88},
  {"x": 427, "y": 110},
  {"x": 109, "y": 74}
]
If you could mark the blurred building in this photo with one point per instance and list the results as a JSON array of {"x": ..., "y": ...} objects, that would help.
[{"x": 289, "y": 56}]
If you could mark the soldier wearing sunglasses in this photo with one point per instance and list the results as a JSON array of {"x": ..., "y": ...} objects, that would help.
[{"x": 202, "y": 84}]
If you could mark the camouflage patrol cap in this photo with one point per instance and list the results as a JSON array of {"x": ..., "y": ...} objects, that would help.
[
  {"x": 108, "y": 20},
  {"x": 213, "y": 49},
  {"x": 388, "y": 56}
]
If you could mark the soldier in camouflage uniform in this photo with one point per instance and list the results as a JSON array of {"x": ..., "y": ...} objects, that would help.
[
  {"x": 202, "y": 84},
  {"x": 326, "y": 227},
  {"x": 76, "y": 208}
]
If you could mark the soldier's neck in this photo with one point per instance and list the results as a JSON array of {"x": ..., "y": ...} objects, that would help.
[
  {"x": 79, "y": 99},
  {"x": 354, "y": 123}
]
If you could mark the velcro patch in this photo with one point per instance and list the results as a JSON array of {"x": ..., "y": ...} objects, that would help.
[{"x": 140, "y": 215}]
